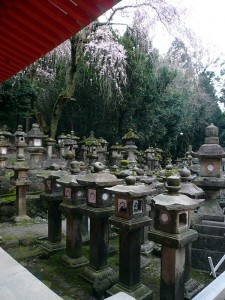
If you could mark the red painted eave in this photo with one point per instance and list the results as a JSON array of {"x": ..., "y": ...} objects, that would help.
[{"x": 31, "y": 28}]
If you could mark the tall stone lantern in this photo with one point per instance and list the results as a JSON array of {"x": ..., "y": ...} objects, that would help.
[
  {"x": 102, "y": 150},
  {"x": 35, "y": 146},
  {"x": 99, "y": 209},
  {"x": 210, "y": 179},
  {"x": 92, "y": 146},
  {"x": 130, "y": 138},
  {"x": 116, "y": 155},
  {"x": 172, "y": 231},
  {"x": 20, "y": 141},
  {"x": 210, "y": 224},
  {"x": 3, "y": 153},
  {"x": 130, "y": 217},
  {"x": 20, "y": 168}
]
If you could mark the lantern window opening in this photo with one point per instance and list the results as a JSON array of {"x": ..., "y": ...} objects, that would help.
[{"x": 183, "y": 219}]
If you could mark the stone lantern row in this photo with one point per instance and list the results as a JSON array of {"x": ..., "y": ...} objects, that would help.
[
  {"x": 90, "y": 149},
  {"x": 92, "y": 195}
]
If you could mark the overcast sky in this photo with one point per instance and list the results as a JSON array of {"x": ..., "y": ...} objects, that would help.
[{"x": 207, "y": 20}]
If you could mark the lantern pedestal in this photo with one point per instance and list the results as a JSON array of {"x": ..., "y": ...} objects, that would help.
[
  {"x": 21, "y": 192},
  {"x": 73, "y": 257},
  {"x": 98, "y": 268},
  {"x": 54, "y": 196},
  {"x": 73, "y": 201},
  {"x": 54, "y": 242},
  {"x": 129, "y": 258}
]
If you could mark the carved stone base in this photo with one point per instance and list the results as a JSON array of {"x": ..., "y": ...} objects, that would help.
[
  {"x": 139, "y": 291},
  {"x": 74, "y": 263},
  {"x": 192, "y": 288},
  {"x": 52, "y": 247},
  {"x": 91, "y": 275}
]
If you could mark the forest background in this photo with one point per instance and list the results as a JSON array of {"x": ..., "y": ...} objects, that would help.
[{"x": 105, "y": 81}]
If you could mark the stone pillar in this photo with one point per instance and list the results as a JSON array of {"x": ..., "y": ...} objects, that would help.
[
  {"x": 73, "y": 201},
  {"x": 54, "y": 197},
  {"x": 99, "y": 209},
  {"x": 49, "y": 147},
  {"x": 20, "y": 168},
  {"x": 210, "y": 222},
  {"x": 172, "y": 231},
  {"x": 130, "y": 217}
]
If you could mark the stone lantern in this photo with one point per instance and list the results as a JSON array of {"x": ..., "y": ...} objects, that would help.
[
  {"x": 150, "y": 157},
  {"x": 210, "y": 224},
  {"x": 7, "y": 135},
  {"x": 172, "y": 231},
  {"x": 3, "y": 153},
  {"x": 83, "y": 150},
  {"x": 68, "y": 152},
  {"x": 75, "y": 139},
  {"x": 130, "y": 217},
  {"x": 53, "y": 196},
  {"x": 92, "y": 145},
  {"x": 35, "y": 146},
  {"x": 73, "y": 200},
  {"x": 20, "y": 168},
  {"x": 210, "y": 178},
  {"x": 60, "y": 144},
  {"x": 49, "y": 143},
  {"x": 102, "y": 150},
  {"x": 20, "y": 141},
  {"x": 130, "y": 138},
  {"x": 116, "y": 156},
  {"x": 99, "y": 209}
]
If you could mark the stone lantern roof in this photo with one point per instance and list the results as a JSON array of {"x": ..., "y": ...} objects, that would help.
[
  {"x": 102, "y": 141},
  {"x": 4, "y": 131},
  {"x": 117, "y": 147},
  {"x": 132, "y": 189},
  {"x": 20, "y": 131},
  {"x": 35, "y": 132},
  {"x": 173, "y": 200},
  {"x": 73, "y": 136},
  {"x": 52, "y": 174},
  {"x": 3, "y": 142},
  {"x": 92, "y": 140},
  {"x": 211, "y": 147},
  {"x": 130, "y": 135},
  {"x": 150, "y": 150},
  {"x": 99, "y": 178},
  {"x": 187, "y": 187},
  {"x": 68, "y": 179}
]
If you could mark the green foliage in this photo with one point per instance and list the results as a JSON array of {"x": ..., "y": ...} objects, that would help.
[
  {"x": 163, "y": 98},
  {"x": 17, "y": 99}
]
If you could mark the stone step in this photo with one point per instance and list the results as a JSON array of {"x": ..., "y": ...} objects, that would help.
[{"x": 18, "y": 283}]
